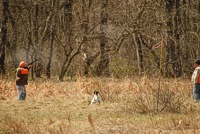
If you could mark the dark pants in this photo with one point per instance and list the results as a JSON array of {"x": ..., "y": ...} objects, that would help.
[
  {"x": 196, "y": 92},
  {"x": 21, "y": 92}
]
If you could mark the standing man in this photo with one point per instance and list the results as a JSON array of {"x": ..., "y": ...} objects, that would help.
[
  {"x": 196, "y": 80},
  {"x": 22, "y": 79}
]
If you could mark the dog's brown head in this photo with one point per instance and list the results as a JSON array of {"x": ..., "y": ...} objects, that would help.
[{"x": 96, "y": 92}]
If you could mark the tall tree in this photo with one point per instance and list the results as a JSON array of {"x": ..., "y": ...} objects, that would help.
[
  {"x": 103, "y": 66},
  {"x": 68, "y": 47},
  {"x": 38, "y": 66},
  {"x": 13, "y": 41},
  {"x": 48, "y": 71},
  {"x": 52, "y": 38},
  {"x": 26, "y": 25},
  {"x": 4, "y": 41},
  {"x": 173, "y": 48},
  {"x": 186, "y": 51},
  {"x": 88, "y": 57},
  {"x": 177, "y": 66},
  {"x": 138, "y": 45}
]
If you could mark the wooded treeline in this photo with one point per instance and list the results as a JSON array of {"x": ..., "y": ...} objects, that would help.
[{"x": 100, "y": 37}]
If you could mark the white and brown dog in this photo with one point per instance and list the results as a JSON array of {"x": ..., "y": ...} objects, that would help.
[{"x": 95, "y": 99}]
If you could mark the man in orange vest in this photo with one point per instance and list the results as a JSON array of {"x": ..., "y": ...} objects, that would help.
[
  {"x": 22, "y": 79},
  {"x": 196, "y": 81}
]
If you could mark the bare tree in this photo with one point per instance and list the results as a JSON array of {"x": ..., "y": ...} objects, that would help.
[
  {"x": 173, "y": 49},
  {"x": 52, "y": 32},
  {"x": 103, "y": 66},
  {"x": 38, "y": 66},
  {"x": 138, "y": 45},
  {"x": 13, "y": 41},
  {"x": 104, "y": 33},
  {"x": 70, "y": 49},
  {"x": 48, "y": 71},
  {"x": 88, "y": 57},
  {"x": 4, "y": 41}
]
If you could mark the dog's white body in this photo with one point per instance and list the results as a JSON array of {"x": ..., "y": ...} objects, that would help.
[{"x": 96, "y": 98}]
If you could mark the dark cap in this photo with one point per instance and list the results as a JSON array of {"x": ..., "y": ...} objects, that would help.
[{"x": 197, "y": 62}]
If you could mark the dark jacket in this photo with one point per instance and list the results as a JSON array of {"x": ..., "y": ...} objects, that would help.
[{"x": 22, "y": 76}]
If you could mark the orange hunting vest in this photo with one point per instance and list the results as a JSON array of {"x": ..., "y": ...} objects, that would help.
[
  {"x": 24, "y": 71},
  {"x": 198, "y": 79}
]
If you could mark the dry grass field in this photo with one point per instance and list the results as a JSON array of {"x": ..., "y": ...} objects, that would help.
[{"x": 128, "y": 106}]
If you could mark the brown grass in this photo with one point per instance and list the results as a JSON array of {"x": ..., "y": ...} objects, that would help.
[{"x": 140, "y": 105}]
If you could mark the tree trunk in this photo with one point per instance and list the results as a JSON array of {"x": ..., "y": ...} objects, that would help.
[
  {"x": 103, "y": 66},
  {"x": 52, "y": 32},
  {"x": 155, "y": 56},
  {"x": 68, "y": 21},
  {"x": 48, "y": 72},
  {"x": 198, "y": 32},
  {"x": 4, "y": 36},
  {"x": 139, "y": 52},
  {"x": 186, "y": 56},
  {"x": 177, "y": 66},
  {"x": 13, "y": 47},
  {"x": 173, "y": 49},
  {"x": 85, "y": 31},
  {"x": 29, "y": 42},
  {"x": 88, "y": 58},
  {"x": 38, "y": 65}
]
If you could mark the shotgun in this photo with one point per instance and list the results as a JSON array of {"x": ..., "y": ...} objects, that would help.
[{"x": 30, "y": 64}]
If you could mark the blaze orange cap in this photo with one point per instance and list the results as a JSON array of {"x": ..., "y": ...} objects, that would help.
[{"x": 22, "y": 64}]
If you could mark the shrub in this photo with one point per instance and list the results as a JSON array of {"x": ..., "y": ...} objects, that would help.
[{"x": 163, "y": 97}]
